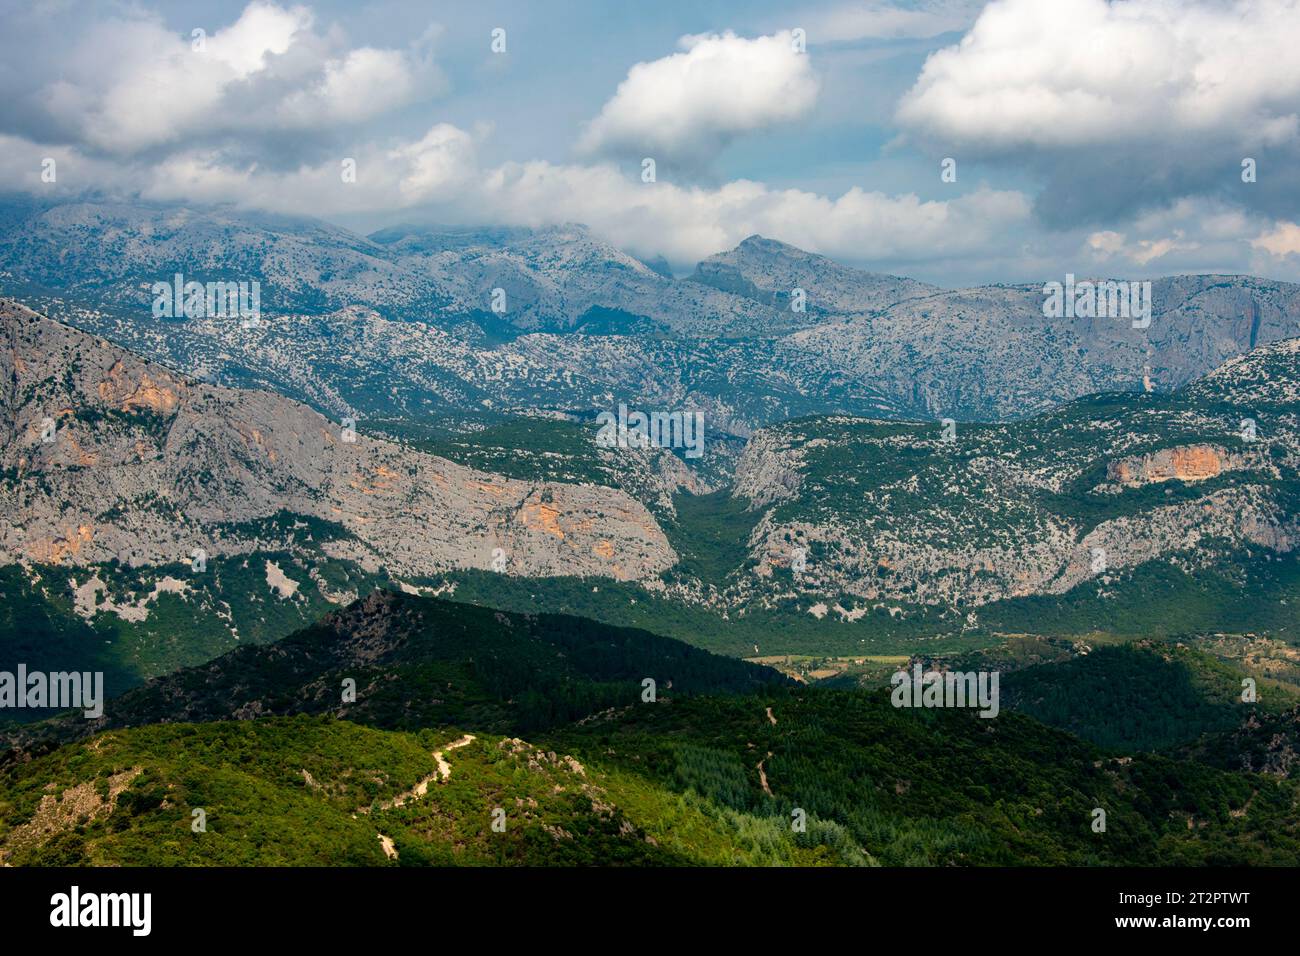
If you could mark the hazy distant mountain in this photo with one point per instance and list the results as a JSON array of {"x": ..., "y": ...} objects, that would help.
[
  {"x": 401, "y": 323},
  {"x": 564, "y": 279},
  {"x": 990, "y": 354},
  {"x": 110, "y": 254},
  {"x": 769, "y": 271}
]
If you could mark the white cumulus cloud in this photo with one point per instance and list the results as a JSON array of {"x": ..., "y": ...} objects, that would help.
[
  {"x": 682, "y": 223},
  {"x": 687, "y": 106},
  {"x": 134, "y": 85},
  {"x": 1077, "y": 72}
]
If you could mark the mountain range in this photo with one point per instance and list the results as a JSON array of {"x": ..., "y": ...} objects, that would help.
[
  {"x": 401, "y": 323},
  {"x": 388, "y": 489}
]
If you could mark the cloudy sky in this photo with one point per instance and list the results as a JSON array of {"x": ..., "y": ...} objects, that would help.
[{"x": 1088, "y": 137}]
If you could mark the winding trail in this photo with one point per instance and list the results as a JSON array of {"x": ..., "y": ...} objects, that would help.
[
  {"x": 762, "y": 776},
  {"x": 442, "y": 773},
  {"x": 444, "y": 768}
]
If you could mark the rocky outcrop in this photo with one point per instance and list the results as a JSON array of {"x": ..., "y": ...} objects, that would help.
[
  {"x": 768, "y": 469},
  {"x": 1050, "y": 557},
  {"x": 111, "y": 457},
  {"x": 1185, "y": 463},
  {"x": 895, "y": 515}
]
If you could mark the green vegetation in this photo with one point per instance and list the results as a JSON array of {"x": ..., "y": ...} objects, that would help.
[
  {"x": 223, "y": 607},
  {"x": 707, "y": 779},
  {"x": 711, "y": 534},
  {"x": 716, "y": 769},
  {"x": 1139, "y": 697},
  {"x": 931, "y": 787},
  {"x": 248, "y": 777},
  {"x": 422, "y": 662},
  {"x": 360, "y": 714},
  {"x": 786, "y": 627},
  {"x": 1255, "y": 593},
  {"x": 315, "y": 791}
]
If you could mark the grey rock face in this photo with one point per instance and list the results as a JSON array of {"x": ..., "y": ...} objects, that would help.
[
  {"x": 767, "y": 270},
  {"x": 980, "y": 354},
  {"x": 892, "y": 514},
  {"x": 146, "y": 465},
  {"x": 402, "y": 321}
]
